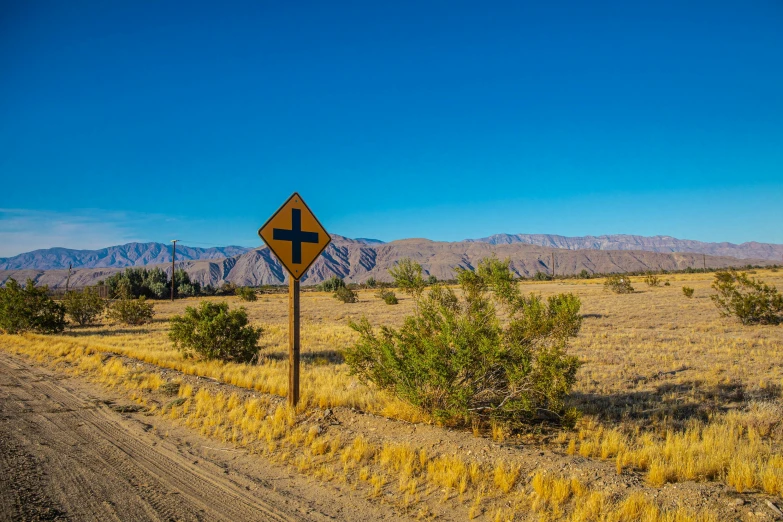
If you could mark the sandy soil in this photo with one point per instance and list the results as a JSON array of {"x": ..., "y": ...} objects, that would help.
[{"x": 69, "y": 450}]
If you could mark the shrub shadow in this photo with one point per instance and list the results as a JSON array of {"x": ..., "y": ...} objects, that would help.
[
  {"x": 103, "y": 333},
  {"x": 674, "y": 403}
]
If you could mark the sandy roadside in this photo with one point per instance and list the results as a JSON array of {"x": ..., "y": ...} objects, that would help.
[{"x": 70, "y": 451}]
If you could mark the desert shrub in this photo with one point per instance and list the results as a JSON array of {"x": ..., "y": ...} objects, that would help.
[
  {"x": 246, "y": 293},
  {"x": 212, "y": 331},
  {"x": 667, "y": 283},
  {"x": 457, "y": 360},
  {"x": 388, "y": 297},
  {"x": 130, "y": 311},
  {"x": 619, "y": 284},
  {"x": 585, "y": 274},
  {"x": 83, "y": 307},
  {"x": 346, "y": 295},
  {"x": 406, "y": 274},
  {"x": 750, "y": 300},
  {"x": 687, "y": 291},
  {"x": 332, "y": 284},
  {"x": 29, "y": 309},
  {"x": 652, "y": 280},
  {"x": 432, "y": 280},
  {"x": 542, "y": 276},
  {"x": 371, "y": 283}
]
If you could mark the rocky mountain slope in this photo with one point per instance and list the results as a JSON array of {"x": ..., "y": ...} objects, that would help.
[
  {"x": 131, "y": 254},
  {"x": 750, "y": 250},
  {"x": 356, "y": 261}
]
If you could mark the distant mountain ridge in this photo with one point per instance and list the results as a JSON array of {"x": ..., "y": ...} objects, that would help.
[
  {"x": 142, "y": 254},
  {"x": 120, "y": 256},
  {"x": 750, "y": 250},
  {"x": 357, "y": 261}
]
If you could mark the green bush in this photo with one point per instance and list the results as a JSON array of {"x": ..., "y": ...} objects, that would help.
[
  {"x": 371, "y": 283},
  {"x": 346, "y": 295},
  {"x": 457, "y": 360},
  {"x": 29, "y": 309},
  {"x": 388, "y": 297},
  {"x": 246, "y": 293},
  {"x": 652, "y": 280},
  {"x": 619, "y": 284},
  {"x": 542, "y": 276},
  {"x": 131, "y": 311},
  {"x": 332, "y": 284},
  {"x": 687, "y": 291},
  {"x": 746, "y": 298},
  {"x": 585, "y": 274},
  {"x": 432, "y": 280},
  {"x": 83, "y": 307},
  {"x": 667, "y": 283},
  {"x": 212, "y": 331}
]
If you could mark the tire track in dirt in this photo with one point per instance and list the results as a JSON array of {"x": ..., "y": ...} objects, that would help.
[{"x": 91, "y": 464}]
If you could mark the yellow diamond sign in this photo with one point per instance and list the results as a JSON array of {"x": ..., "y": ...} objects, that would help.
[{"x": 295, "y": 236}]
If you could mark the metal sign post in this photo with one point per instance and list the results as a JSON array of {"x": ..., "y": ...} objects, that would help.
[{"x": 296, "y": 238}]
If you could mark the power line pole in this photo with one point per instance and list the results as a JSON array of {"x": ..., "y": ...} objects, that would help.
[
  {"x": 68, "y": 281},
  {"x": 173, "y": 258},
  {"x": 553, "y": 265},
  {"x": 704, "y": 260}
]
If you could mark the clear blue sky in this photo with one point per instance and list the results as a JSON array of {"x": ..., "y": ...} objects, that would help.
[{"x": 153, "y": 120}]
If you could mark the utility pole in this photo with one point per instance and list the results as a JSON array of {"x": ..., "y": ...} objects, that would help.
[
  {"x": 68, "y": 281},
  {"x": 553, "y": 265},
  {"x": 173, "y": 257},
  {"x": 704, "y": 260}
]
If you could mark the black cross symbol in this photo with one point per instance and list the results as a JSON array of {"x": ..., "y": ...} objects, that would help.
[{"x": 296, "y": 236}]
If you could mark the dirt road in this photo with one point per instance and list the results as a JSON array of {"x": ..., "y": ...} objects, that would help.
[{"x": 67, "y": 455}]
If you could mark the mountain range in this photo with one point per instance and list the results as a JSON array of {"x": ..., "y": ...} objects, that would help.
[
  {"x": 141, "y": 254},
  {"x": 750, "y": 250},
  {"x": 356, "y": 260},
  {"x": 130, "y": 254}
]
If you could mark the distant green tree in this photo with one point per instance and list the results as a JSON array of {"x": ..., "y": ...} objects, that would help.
[
  {"x": 542, "y": 276},
  {"x": 184, "y": 286},
  {"x": 152, "y": 283},
  {"x": 29, "y": 309},
  {"x": 431, "y": 280},
  {"x": 584, "y": 274},
  {"x": 371, "y": 282}
]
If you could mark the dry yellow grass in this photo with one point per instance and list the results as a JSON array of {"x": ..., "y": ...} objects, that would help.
[{"x": 668, "y": 387}]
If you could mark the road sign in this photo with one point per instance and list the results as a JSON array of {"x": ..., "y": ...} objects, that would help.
[{"x": 295, "y": 236}]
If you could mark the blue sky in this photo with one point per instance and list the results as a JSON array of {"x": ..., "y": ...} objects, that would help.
[{"x": 149, "y": 121}]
